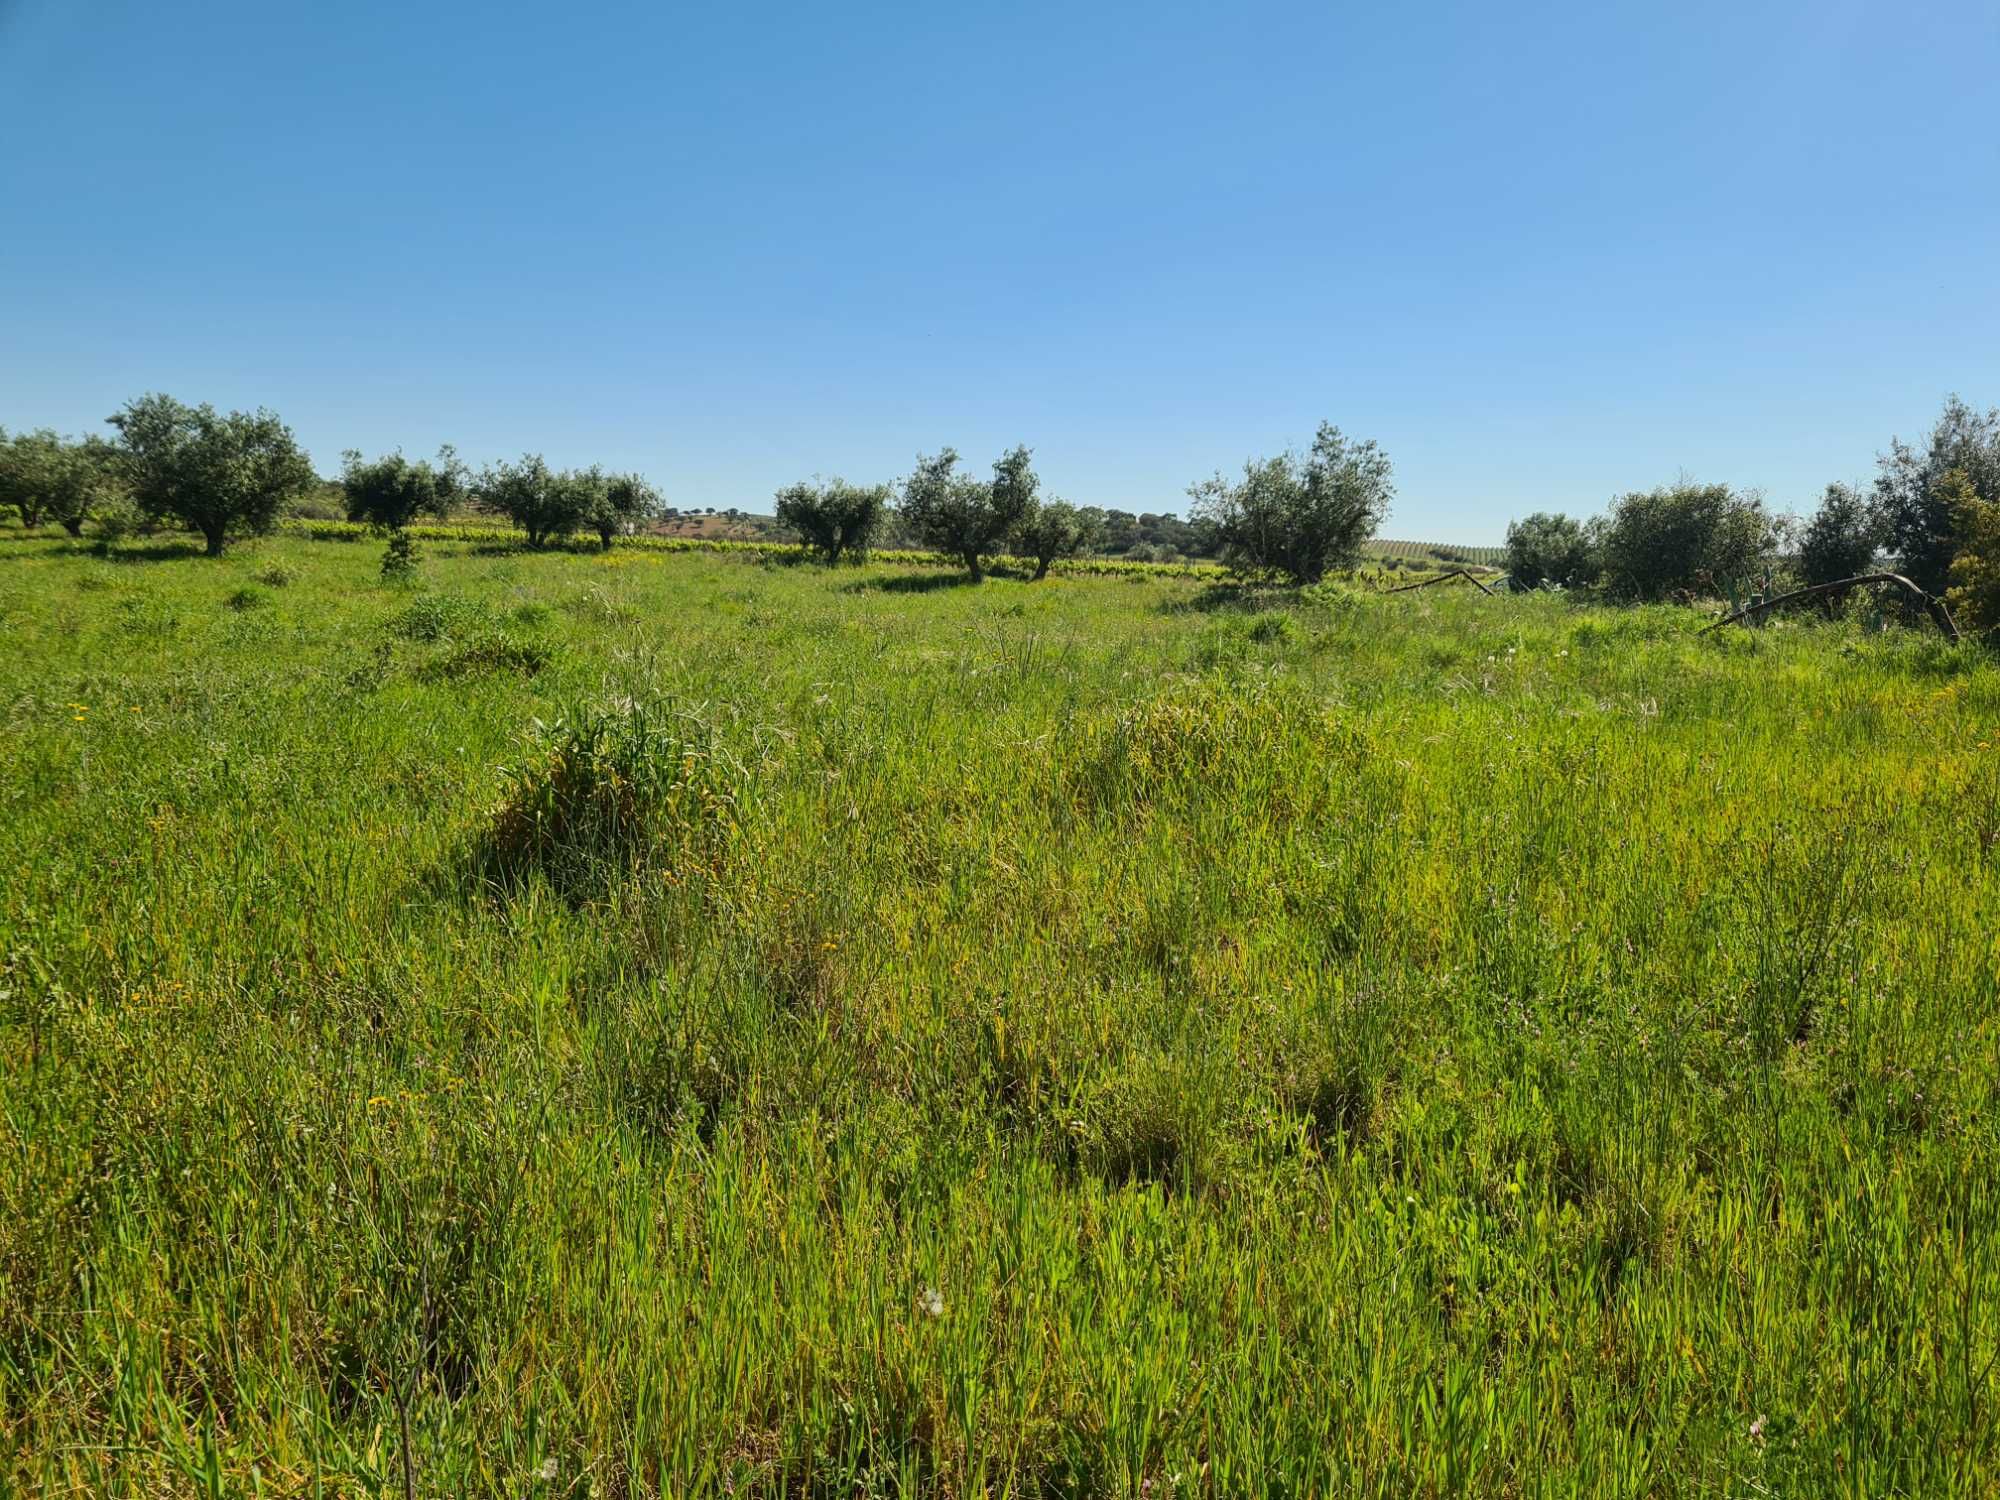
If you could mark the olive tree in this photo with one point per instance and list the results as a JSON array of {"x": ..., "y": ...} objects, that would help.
[
  {"x": 835, "y": 519},
  {"x": 1553, "y": 549},
  {"x": 1687, "y": 536},
  {"x": 1842, "y": 538},
  {"x": 959, "y": 515},
  {"x": 546, "y": 505},
  {"x": 1919, "y": 510},
  {"x": 219, "y": 475},
  {"x": 616, "y": 504},
  {"x": 88, "y": 480},
  {"x": 1300, "y": 516},
  {"x": 1056, "y": 529},
  {"x": 28, "y": 464},
  {"x": 391, "y": 492}
]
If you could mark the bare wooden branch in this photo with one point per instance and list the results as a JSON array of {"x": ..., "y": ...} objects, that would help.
[
  {"x": 1404, "y": 588},
  {"x": 1935, "y": 607}
]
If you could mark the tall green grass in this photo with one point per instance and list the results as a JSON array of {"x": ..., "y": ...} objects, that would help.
[{"x": 877, "y": 1034}]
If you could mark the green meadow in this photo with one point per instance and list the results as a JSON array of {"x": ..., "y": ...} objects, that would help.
[{"x": 674, "y": 1023}]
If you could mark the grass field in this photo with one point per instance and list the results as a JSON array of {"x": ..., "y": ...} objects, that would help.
[{"x": 1107, "y": 1036}]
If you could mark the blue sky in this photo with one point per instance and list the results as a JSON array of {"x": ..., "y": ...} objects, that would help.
[{"x": 1542, "y": 253}]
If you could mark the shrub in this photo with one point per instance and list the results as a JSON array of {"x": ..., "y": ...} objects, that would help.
[
  {"x": 836, "y": 518},
  {"x": 1974, "y": 596},
  {"x": 1554, "y": 549},
  {"x": 1841, "y": 539},
  {"x": 1300, "y": 516},
  {"x": 278, "y": 576},
  {"x": 1698, "y": 537},
  {"x": 1056, "y": 529},
  {"x": 218, "y": 475},
  {"x": 247, "y": 597},
  {"x": 956, "y": 514},
  {"x": 1917, "y": 505},
  {"x": 400, "y": 558},
  {"x": 1272, "y": 627},
  {"x": 617, "y": 791}
]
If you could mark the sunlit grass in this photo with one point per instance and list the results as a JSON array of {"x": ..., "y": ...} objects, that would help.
[{"x": 1109, "y": 1035}]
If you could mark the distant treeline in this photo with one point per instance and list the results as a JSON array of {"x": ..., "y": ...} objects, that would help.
[{"x": 1932, "y": 512}]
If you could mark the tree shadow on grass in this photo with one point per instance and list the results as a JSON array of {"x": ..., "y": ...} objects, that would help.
[
  {"x": 127, "y": 552},
  {"x": 910, "y": 583},
  {"x": 1238, "y": 596}
]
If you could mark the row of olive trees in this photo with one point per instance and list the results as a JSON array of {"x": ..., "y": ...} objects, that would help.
[
  {"x": 1294, "y": 515},
  {"x": 227, "y": 475},
  {"x": 958, "y": 514},
  {"x": 1933, "y": 512}
]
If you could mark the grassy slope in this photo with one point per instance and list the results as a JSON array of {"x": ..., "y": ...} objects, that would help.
[{"x": 1428, "y": 1044}]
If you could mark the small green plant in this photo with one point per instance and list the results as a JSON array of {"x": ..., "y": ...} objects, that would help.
[
  {"x": 278, "y": 576},
  {"x": 400, "y": 559},
  {"x": 431, "y": 617},
  {"x": 246, "y": 598},
  {"x": 1272, "y": 628}
]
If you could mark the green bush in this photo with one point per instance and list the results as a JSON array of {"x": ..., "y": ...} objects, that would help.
[
  {"x": 1545, "y": 549},
  {"x": 1842, "y": 539},
  {"x": 1701, "y": 538}
]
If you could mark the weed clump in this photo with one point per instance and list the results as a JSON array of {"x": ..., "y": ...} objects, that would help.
[
  {"x": 432, "y": 617},
  {"x": 246, "y": 598},
  {"x": 487, "y": 653},
  {"x": 1207, "y": 742},
  {"x": 616, "y": 792}
]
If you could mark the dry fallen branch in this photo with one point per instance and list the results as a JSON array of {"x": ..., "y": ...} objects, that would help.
[
  {"x": 1940, "y": 616},
  {"x": 1403, "y": 588}
]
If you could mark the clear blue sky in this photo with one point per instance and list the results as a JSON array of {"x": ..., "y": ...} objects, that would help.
[{"x": 1542, "y": 253}]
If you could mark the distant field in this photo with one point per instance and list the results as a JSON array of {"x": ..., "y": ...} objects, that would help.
[
  {"x": 680, "y": 1021},
  {"x": 1438, "y": 552}
]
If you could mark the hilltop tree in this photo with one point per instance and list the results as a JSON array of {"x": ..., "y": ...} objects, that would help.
[
  {"x": 391, "y": 492},
  {"x": 957, "y": 514},
  {"x": 835, "y": 518},
  {"x": 546, "y": 505},
  {"x": 1545, "y": 548},
  {"x": 618, "y": 504},
  {"x": 1056, "y": 529},
  {"x": 217, "y": 475},
  {"x": 1842, "y": 538},
  {"x": 1300, "y": 516},
  {"x": 1918, "y": 509},
  {"x": 1687, "y": 536}
]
